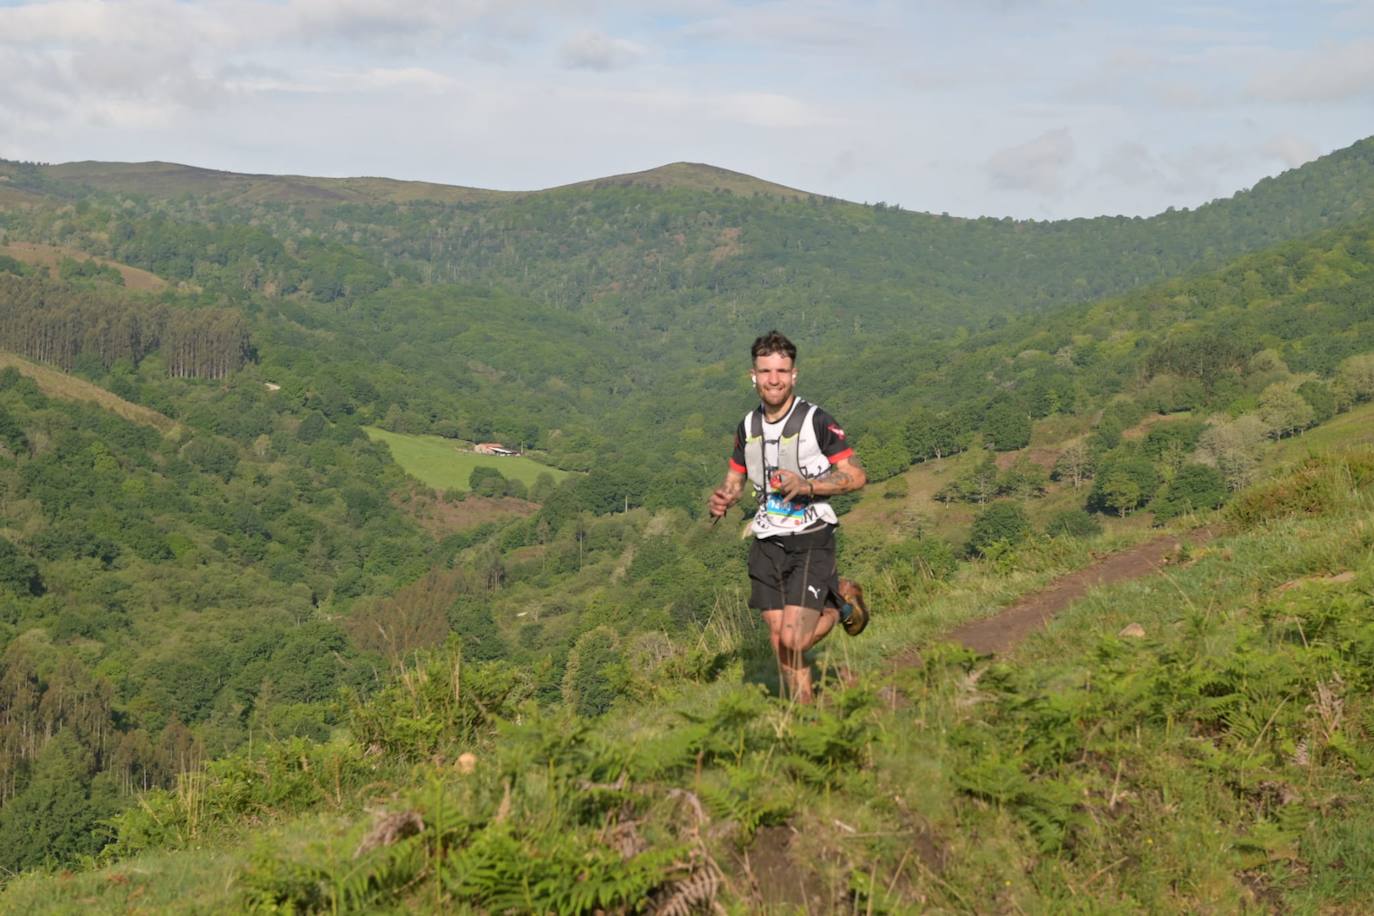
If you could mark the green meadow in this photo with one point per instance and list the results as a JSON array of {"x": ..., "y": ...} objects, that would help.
[{"x": 442, "y": 464}]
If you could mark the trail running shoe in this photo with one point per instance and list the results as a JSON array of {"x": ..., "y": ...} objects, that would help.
[{"x": 853, "y": 594}]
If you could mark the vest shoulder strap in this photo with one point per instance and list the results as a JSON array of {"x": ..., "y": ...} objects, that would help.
[
  {"x": 789, "y": 446},
  {"x": 801, "y": 412}
]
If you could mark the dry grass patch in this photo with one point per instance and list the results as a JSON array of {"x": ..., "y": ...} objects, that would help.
[
  {"x": 18, "y": 197},
  {"x": 56, "y": 384},
  {"x": 50, "y": 256},
  {"x": 440, "y": 516}
]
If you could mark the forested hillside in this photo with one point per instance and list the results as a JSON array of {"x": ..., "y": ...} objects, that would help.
[
  {"x": 227, "y": 604},
  {"x": 162, "y": 596},
  {"x": 666, "y": 253}
]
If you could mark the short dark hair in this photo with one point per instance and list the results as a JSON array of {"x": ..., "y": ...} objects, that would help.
[{"x": 773, "y": 342}]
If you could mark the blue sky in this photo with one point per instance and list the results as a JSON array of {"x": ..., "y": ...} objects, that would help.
[{"x": 1027, "y": 108}]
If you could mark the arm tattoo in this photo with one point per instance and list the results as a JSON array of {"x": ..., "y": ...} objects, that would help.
[
  {"x": 837, "y": 478},
  {"x": 842, "y": 480}
]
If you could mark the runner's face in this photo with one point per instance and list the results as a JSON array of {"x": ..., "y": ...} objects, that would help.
[{"x": 774, "y": 378}]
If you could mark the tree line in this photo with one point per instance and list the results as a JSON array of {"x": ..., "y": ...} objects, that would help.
[{"x": 61, "y": 324}]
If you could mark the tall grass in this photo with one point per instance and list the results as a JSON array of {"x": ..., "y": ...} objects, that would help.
[{"x": 1218, "y": 763}]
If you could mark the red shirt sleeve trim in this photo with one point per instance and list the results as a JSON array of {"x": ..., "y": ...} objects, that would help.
[
  {"x": 736, "y": 466},
  {"x": 840, "y": 456}
]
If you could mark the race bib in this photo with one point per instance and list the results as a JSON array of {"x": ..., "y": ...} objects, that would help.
[{"x": 785, "y": 513}]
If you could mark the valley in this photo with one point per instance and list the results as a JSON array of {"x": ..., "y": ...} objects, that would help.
[{"x": 273, "y": 637}]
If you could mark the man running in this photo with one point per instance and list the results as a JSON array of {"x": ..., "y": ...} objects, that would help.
[{"x": 795, "y": 455}]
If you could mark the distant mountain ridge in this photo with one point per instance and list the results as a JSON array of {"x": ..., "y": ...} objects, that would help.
[
  {"x": 171, "y": 179},
  {"x": 693, "y": 176},
  {"x": 683, "y": 259}
]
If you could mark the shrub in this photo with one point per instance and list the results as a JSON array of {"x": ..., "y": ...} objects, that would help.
[
  {"x": 1024, "y": 479},
  {"x": 312, "y": 427},
  {"x": 1008, "y": 426},
  {"x": 1315, "y": 487},
  {"x": 12, "y": 433},
  {"x": 1122, "y": 484},
  {"x": 1320, "y": 398},
  {"x": 1074, "y": 523},
  {"x": 486, "y": 481},
  {"x": 589, "y": 683},
  {"x": 1003, "y": 522},
  {"x": 1179, "y": 436},
  {"x": 1283, "y": 411},
  {"x": 438, "y": 702},
  {"x": 1234, "y": 448},
  {"x": 544, "y": 485},
  {"x": 1196, "y": 487},
  {"x": 284, "y": 777},
  {"x": 1106, "y": 435},
  {"x": 18, "y": 574},
  {"x": 1168, "y": 393},
  {"x": 1356, "y": 376},
  {"x": 212, "y": 455},
  {"x": 1074, "y": 464},
  {"x": 928, "y": 558}
]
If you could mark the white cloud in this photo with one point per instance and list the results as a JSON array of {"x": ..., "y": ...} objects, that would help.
[
  {"x": 768, "y": 109},
  {"x": 382, "y": 78},
  {"x": 589, "y": 50},
  {"x": 1178, "y": 95},
  {"x": 1203, "y": 170},
  {"x": 1293, "y": 151},
  {"x": 1189, "y": 175},
  {"x": 798, "y": 24},
  {"x": 688, "y": 110},
  {"x": 1326, "y": 74},
  {"x": 1131, "y": 164},
  {"x": 1038, "y": 165},
  {"x": 388, "y": 27}
]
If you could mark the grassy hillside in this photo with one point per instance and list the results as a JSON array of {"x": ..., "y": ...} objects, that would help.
[
  {"x": 50, "y": 257},
  {"x": 67, "y": 387},
  {"x": 1216, "y": 763},
  {"x": 445, "y": 465},
  {"x": 1355, "y": 428}
]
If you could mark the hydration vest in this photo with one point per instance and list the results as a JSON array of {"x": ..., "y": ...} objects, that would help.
[{"x": 799, "y": 421}]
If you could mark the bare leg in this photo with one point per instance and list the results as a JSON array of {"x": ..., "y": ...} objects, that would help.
[
  {"x": 793, "y": 630},
  {"x": 773, "y": 619},
  {"x": 829, "y": 617}
]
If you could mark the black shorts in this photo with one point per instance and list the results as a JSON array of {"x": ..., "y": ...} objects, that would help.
[{"x": 793, "y": 569}]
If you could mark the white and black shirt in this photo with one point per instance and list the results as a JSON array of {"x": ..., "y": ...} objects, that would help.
[{"x": 822, "y": 445}]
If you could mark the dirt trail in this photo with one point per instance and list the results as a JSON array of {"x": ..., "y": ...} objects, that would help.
[
  {"x": 1008, "y": 628},
  {"x": 776, "y": 873}
]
